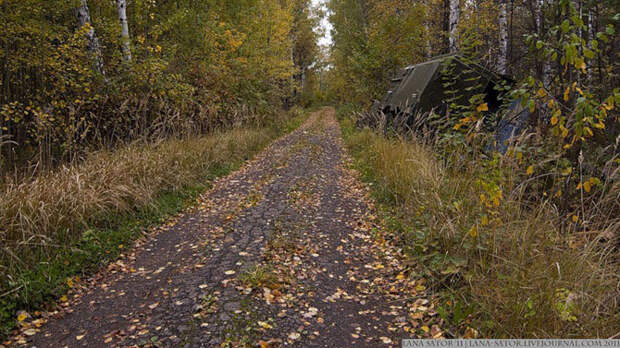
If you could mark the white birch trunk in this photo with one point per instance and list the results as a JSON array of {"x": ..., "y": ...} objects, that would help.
[
  {"x": 502, "y": 61},
  {"x": 580, "y": 34},
  {"x": 454, "y": 24},
  {"x": 125, "y": 41},
  {"x": 546, "y": 64},
  {"x": 93, "y": 46},
  {"x": 590, "y": 39},
  {"x": 429, "y": 46}
]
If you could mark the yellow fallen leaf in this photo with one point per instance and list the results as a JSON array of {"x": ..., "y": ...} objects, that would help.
[
  {"x": 530, "y": 170},
  {"x": 22, "y": 316},
  {"x": 385, "y": 340},
  {"x": 230, "y": 272},
  {"x": 30, "y": 332},
  {"x": 79, "y": 338},
  {"x": 482, "y": 107},
  {"x": 64, "y": 298},
  {"x": 264, "y": 325},
  {"x": 400, "y": 276}
]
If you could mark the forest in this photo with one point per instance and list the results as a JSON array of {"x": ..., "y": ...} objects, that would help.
[
  {"x": 119, "y": 116},
  {"x": 530, "y": 235},
  {"x": 80, "y": 80}
]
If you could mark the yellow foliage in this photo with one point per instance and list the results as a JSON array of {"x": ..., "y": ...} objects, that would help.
[
  {"x": 530, "y": 170},
  {"x": 473, "y": 232}
]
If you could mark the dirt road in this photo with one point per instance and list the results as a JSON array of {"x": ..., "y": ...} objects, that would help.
[{"x": 283, "y": 252}]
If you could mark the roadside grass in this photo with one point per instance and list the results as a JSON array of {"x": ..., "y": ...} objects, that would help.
[
  {"x": 259, "y": 276},
  {"x": 516, "y": 275},
  {"x": 71, "y": 221}
]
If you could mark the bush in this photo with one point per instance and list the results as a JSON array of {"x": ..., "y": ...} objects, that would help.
[{"x": 506, "y": 266}]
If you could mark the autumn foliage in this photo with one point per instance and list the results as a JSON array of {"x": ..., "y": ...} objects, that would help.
[
  {"x": 68, "y": 82},
  {"x": 543, "y": 211}
]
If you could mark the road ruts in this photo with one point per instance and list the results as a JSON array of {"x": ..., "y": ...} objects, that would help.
[{"x": 280, "y": 253}]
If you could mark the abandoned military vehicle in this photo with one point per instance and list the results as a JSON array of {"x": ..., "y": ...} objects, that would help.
[{"x": 420, "y": 94}]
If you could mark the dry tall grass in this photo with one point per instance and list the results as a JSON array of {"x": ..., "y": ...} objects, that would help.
[
  {"x": 520, "y": 275},
  {"x": 54, "y": 208}
]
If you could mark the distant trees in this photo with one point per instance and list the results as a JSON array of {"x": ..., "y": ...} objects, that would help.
[
  {"x": 491, "y": 31},
  {"x": 372, "y": 39},
  {"x": 305, "y": 49}
]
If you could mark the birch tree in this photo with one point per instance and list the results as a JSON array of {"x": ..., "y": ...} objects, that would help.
[
  {"x": 540, "y": 22},
  {"x": 454, "y": 24},
  {"x": 125, "y": 41},
  {"x": 93, "y": 46},
  {"x": 502, "y": 60},
  {"x": 590, "y": 39}
]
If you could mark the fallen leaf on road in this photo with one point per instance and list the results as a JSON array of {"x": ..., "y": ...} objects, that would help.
[{"x": 30, "y": 332}]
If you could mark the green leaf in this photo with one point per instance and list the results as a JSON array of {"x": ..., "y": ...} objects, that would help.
[
  {"x": 602, "y": 37},
  {"x": 610, "y": 30},
  {"x": 539, "y": 44}
]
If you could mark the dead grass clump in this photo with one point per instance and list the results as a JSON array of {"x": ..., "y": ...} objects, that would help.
[
  {"x": 517, "y": 272},
  {"x": 52, "y": 209}
]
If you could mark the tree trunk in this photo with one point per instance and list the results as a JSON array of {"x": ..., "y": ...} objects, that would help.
[
  {"x": 502, "y": 61},
  {"x": 454, "y": 24},
  {"x": 429, "y": 46},
  {"x": 125, "y": 41},
  {"x": 93, "y": 46},
  {"x": 445, "y": 27},
  {"x": 590, "y": 39},
  {"x": 540, "y": 22}
]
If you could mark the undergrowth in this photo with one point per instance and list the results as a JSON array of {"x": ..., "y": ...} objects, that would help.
[
  {"x": 69, "y": 222},
  {"x": 510, "y": 271}
]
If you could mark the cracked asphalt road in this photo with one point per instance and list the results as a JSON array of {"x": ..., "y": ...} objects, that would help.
[{"x": 283, "y": 252}]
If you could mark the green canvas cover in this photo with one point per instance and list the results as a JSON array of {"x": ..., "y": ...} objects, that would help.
[{"x": 438, "y": 82}]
